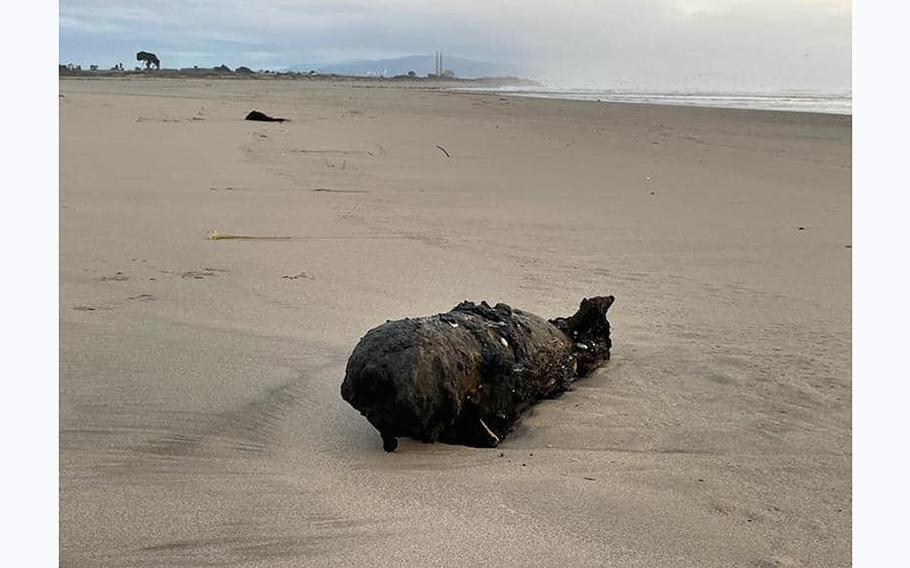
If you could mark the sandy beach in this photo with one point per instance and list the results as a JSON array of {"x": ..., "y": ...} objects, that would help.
[{"x": 200, "y": 416}]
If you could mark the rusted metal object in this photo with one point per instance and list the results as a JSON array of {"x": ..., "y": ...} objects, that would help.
[{"x": 465, "y": 376}]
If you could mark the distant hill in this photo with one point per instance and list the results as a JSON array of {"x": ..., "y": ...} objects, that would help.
[{"x": 420, "y": 64}]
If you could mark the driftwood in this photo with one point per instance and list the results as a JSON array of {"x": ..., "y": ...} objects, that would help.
[
  {"x": 262, "y": 117},
  {"x": 465, "y": 376}
]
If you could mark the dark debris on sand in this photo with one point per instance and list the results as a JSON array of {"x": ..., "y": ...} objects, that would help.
[
  {"x": 465, "y": 376},
  {"x": 262, "y": 117}
]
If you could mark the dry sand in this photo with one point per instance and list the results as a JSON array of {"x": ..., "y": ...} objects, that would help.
[{"x": 201, "y": 422}]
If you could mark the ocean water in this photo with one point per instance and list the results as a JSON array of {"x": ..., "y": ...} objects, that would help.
[{"x": 794, "y": 101}]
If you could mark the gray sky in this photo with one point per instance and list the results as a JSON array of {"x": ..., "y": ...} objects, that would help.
[{"x": 698, "y": 44}]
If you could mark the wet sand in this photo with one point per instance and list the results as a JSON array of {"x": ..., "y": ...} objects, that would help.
[{"x": 200, "y": 416}]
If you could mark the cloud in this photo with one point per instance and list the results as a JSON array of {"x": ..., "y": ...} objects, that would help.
[
  {"x": 745, "y": 43},
  {"x": 71, "y": 23}
]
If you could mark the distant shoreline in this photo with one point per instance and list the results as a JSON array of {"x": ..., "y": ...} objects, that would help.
[
  {"x": 780, "y": 101},
  {"x": 290, "y": 75}
]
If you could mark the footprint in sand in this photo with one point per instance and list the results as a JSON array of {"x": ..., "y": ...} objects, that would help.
[
  {"x": 779, "y": 562},
  {"x": 197, "y": 274},
  {"x": 298, "y": 276},
  {"x": 115, "y": 277},
  {"x": 147, "y": 119},
  {"x": 91, "y": 308},
  {"x": 114, "y": 304}
]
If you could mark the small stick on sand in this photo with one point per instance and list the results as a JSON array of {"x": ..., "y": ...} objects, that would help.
[
  {"x": 216, "y": 236},
  {"x": 490, "y": 432}
]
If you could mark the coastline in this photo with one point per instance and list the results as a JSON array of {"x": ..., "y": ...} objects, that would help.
[
  {"x": 783, "y": 101},
  {"x": 163, "y": 74}
]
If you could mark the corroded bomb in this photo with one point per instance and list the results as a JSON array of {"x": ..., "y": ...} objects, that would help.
[{"x": 465, "y": 376}]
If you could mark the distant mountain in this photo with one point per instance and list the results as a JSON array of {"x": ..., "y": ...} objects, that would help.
[{"x": 420, "y": 64}]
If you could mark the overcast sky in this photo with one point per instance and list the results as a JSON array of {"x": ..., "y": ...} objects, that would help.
[{"x": 707, "y": 44}]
